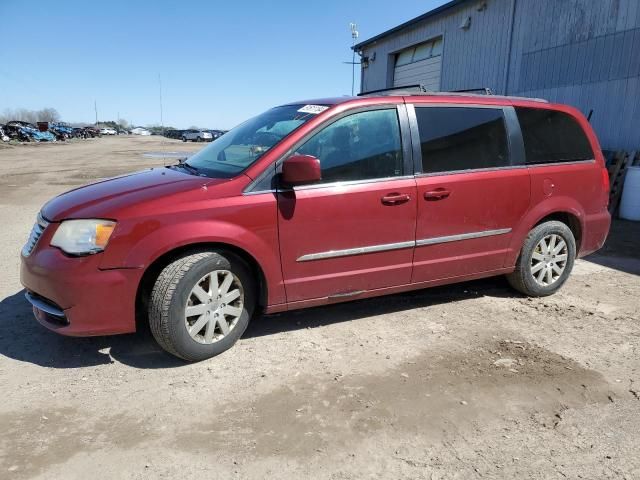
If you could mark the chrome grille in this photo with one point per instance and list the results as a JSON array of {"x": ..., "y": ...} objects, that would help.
[{"x": 36, "y": 233}]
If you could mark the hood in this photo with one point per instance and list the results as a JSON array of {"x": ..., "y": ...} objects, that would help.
[{"x": 110, "y": 198}]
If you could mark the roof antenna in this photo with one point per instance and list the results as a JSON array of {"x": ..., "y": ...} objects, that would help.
[
  {"x": 162, "y": 142},
  {"x": 354, "y": 36}
]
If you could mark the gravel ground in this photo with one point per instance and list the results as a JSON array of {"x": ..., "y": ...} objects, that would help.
[{"x": 464, "y": 381}]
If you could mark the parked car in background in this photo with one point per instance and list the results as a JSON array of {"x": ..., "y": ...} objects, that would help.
[
  {"x": 197, "y": 136},
  {"x": 140, "y": 131},
  {"x": 318, "y": 202},
  {"x": 79, "y": 132},
  {"x": 108, "y": 131},
  {"x": 216, "y": 133},
  {"x": 172, "y": 133},
  {"x": 92, "y": 132}
]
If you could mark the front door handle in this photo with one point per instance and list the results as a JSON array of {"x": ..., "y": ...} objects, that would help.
[
  {"x": 396, "y": 198},
  {"x": 437, "y": 194}
]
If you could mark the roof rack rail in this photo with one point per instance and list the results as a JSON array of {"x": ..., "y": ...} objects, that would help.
[
  {"x": 483, "y": 90},
  {"x": 420, "y": 87},
  {"x": 420, "y": 90}
]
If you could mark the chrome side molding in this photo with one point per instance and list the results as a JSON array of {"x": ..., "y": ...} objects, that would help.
[
  {"x": 355, "y": 251},
  {"x": 400, "y": 245},
  {"x": 347, "y": 294},
  {"x": 461, "y": 236}
]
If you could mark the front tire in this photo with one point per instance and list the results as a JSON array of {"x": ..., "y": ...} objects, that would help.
[
  {"x": 184, "y": 139},
  {"x": 201, "y": 304},
  {"x": 545, "y": 261}
]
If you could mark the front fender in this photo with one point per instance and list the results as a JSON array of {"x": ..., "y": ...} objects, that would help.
[
  {"x": 546, "y": 207},
  {"x": 148, "y": 241}
]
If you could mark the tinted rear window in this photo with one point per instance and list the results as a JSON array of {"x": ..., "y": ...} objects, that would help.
[
  {"x": 462, "y": 138},
  {"x": 551, "y": 136}
]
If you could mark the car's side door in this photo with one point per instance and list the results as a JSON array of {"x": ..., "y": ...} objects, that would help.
[
  {"x": 355, "y": 229},
  {"x": 473, "y": 188}
]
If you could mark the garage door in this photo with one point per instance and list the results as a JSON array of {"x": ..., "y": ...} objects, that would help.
[{"x": 420, "y": 64}]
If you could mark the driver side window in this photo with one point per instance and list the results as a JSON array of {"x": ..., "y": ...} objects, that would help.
[{"x": 361, "y": 146}]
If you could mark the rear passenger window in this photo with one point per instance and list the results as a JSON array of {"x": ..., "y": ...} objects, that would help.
[
  {"x": 361, "y": 146},
  {"x": 551, "y": 136},
  {"x": 462, "y": 138}
]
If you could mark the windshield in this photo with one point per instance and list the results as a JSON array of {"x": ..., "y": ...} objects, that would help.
[{"x": 237, "y": 149}]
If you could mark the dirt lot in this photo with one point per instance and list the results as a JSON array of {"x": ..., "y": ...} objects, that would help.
[{"x": 465, "y": 381}]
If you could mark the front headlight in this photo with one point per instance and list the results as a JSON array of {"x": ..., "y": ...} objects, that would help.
[{"x": 83, "y": 237}]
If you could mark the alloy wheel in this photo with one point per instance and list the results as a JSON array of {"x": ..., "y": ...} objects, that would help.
[
  {"x": 214, "y": 307},
  {"x": 549, "y": 260}
]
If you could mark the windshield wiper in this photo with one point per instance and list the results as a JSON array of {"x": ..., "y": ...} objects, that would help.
[{"x": 186, "y": 166}]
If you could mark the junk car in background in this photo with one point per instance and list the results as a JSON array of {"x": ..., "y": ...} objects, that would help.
[
  {"x": 60, "y": 130},
  {"x": 27, "y": 132},
  {"x": 3, "y": 136}
]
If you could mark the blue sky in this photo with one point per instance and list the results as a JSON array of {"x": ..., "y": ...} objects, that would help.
[{"x": 220, "y": 62}]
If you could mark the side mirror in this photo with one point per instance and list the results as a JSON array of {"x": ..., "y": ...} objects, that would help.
[{"x": 301, "y": 169}]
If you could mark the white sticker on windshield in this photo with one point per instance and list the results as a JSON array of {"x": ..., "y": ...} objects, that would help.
[{"x": 314, "y": 109}]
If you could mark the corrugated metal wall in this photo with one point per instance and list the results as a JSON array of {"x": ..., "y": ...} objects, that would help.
[
  {"x": 427, "y": 72},
  {"x": 582, "y": 52}
]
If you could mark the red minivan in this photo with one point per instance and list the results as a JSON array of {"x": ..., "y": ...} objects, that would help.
[{"x": 318, "y": 202}]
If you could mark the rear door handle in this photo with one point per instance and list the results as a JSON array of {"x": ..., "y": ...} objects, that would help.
[
  {"x": 396, "y": 198},
  {"x": 437, "y": 194}
]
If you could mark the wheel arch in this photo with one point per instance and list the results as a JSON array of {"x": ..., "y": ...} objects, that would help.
[
  {"x": 563, "y": 209},
  {"x": 152, "y": 271},
  {"x": 570, "y": 220}
]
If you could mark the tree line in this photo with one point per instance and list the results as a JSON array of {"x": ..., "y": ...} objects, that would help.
[
  {"x": 31, "y": 116},
  {"x": 52, "y": 115}
]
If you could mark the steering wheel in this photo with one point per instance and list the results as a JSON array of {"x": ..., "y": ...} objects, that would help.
[{"x": 270, "y": 138}]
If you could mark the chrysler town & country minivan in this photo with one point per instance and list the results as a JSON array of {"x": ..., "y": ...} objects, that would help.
[{"x": 323, "y": 201}]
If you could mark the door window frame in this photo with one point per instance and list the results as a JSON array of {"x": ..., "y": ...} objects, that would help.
[
  {"x": 515, "y": 144},
  {"x": 268, "y": 180}
]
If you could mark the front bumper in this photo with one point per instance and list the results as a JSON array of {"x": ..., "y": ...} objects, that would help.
[{"x": 72, "y": 296}]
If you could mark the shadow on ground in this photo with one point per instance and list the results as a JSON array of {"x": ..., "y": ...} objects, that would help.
[
  {"x": 23, "y": 338},
  {"x": 621, "y": 251},
  {"x": 496, "y": 287}
]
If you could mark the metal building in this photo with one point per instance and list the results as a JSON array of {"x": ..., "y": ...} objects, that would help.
[{"x": 585, "y": 53}]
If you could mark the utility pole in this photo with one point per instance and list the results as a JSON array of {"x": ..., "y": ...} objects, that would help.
[
  {"x": 161, "y": 120},
  {"x": 354, "y": 36},
  {"x": 95, "y": 107}
]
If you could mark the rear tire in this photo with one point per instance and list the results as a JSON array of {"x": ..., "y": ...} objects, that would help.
[
  {"x": 545, "y": 261},
  {"x": 201, "y": 304}
]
